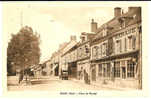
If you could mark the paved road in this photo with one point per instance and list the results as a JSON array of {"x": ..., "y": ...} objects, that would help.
[{"x": 55, "y": 84}]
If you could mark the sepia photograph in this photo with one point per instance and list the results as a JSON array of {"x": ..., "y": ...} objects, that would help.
[{"x": 60, "y": 47}]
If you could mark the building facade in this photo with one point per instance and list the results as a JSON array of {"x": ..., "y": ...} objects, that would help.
[
  {"x": 110, "y": 54},
  {"x": 69, "y": 57},
  {"x": 116, "y": 50},
  {"x": 83, "y": 55}
]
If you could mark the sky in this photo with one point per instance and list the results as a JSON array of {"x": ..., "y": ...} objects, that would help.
[{"x": 54, "y": 22}]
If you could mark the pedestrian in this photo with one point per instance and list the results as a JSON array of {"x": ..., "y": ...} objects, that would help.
[
  {"x": 80, "y": 75},
  {"x": 85, "y": 77},
  {"x": 21, "y": 76}
]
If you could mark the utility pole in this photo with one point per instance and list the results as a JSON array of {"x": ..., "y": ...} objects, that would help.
[{"x": 21, "y": 19}]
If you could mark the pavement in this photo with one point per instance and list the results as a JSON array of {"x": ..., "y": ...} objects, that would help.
[{"x": 55, "y": 84}]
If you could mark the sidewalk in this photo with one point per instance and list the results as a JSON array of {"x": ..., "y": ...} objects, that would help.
[{"x": 111, "y": 86}]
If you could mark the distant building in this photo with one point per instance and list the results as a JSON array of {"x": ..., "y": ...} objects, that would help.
[{"x": 69, "y": 57}]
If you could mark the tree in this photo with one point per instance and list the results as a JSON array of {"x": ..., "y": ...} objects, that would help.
[{"x": 23, "y": 50}]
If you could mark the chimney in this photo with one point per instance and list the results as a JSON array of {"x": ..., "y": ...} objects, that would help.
[
  {"x": 133, "y": 8},
  {"x": 117, "y": 11},
  {"x": 93, "y": 26},
  {"x": 73, "y": 38}
]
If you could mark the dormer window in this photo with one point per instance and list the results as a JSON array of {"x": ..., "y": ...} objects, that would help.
[
  {"x": 82, "y": 38},
  {"x": 104, "y": 32},
  {"x": 122, "y": 22},
  {"x": 86, "y": 49},
  {"x": 134, "y": 16},
  {"x": 117, "y": 41}
]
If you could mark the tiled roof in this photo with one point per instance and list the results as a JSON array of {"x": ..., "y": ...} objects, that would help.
[{"x": 113, "y": 25}]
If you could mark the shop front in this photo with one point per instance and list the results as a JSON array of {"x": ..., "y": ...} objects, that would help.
[
  {"x": 121, "y": 71},
  {"x": 83, "y": 68}
]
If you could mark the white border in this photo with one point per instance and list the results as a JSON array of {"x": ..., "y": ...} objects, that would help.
[{"x": 148, "y": 60}]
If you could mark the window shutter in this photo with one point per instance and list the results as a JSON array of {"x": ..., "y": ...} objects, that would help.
[
  {"x": 133, "y": 41},
  {"x": 125, "y": 44}
]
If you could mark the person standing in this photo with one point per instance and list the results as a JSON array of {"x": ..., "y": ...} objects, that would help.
[{"x": 21, "y": 76}]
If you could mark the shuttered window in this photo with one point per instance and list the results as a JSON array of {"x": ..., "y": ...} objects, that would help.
[{"x": 133, "y": 42}]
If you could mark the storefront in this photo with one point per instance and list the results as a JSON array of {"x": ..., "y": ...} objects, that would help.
[
  {"x": 82, "y": 66},
  {"x": 72, "y": 69},
  {"x": 121, "y": 71}
]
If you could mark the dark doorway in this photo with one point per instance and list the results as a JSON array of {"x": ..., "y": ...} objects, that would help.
[
  {"x": 93, "y": 73},
  {"x": 57, "y": 70},
  {"x": 72, "y": 68},
  {"x": 123, "y": 72}
]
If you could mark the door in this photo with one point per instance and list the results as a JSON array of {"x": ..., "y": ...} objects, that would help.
[
  {"x": 94, "y": 73},
  {"x": 123, "y": 72}
]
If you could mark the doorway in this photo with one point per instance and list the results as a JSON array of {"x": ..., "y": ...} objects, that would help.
[
  {"x": 93, "y": 72},
  {"x": 123, "y": 72}
]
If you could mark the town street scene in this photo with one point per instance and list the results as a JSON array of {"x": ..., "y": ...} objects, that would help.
[{"x": 54, "y": 47}]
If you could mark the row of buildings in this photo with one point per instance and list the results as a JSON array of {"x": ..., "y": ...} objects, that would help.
[{"x": 110, "y": 54}]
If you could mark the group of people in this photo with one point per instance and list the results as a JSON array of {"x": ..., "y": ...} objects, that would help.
[
  {"x": 84, "y": 74},
  {"x": 27, "y": 73}
]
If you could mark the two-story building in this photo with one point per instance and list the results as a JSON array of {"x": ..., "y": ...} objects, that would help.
[{"x": 116, "y": 50}]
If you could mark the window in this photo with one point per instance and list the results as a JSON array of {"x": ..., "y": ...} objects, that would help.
[
  {"x": 101, "y": 34},
  {"x": 86, "y": 49},
  {"x": 123, "y": 24},
  {"x": 129, "y": 31},
  {"x": 130, "y": 69},
  {"x": 123, "y": 63},
  {"x": 117, "y": 69},
  {"x": 110, "y": 46},
  {"x": 95, "y": 53},
  {"x": 113, "y": 47},
  {"x": 104, "y": 48},
  {"x": 100, "y": 51},
  {"x": 119, "y": 46},
  {"x": 104, "y": 32},
  {"x": 83, "y": 39},
  {"x": 80, "y": 52},
  {"x": 133, "y": 30}
]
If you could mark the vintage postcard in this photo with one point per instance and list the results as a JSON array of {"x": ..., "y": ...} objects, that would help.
[{"x": 75, "y": 48}]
